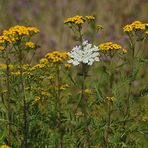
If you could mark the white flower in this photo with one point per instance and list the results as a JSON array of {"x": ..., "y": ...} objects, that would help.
[{"x": 85, "y": 53}]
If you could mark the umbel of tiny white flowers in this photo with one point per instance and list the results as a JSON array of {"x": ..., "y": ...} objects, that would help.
[{"x": 85, "y": 53}]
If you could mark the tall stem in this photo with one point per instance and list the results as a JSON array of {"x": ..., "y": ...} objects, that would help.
[
  {"x": 59, "y": 106},
  {"x": 25, "y": 109},
  {"x": 132, "y": 47},
  {"x": 83, "y": 98},
  {"x": 8, "y": 100}
]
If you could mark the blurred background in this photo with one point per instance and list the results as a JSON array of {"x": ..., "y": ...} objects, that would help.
[{"x": 49, "y": 15}]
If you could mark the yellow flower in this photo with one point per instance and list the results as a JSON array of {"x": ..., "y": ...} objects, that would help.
[
  {"x": 79, "y": 20},
  {"x": 99, "y": 27},
  {"x": 146, "y": 32},
  {"x": 112, "y": 98},
  {"x": 37, "y": 98},
  {"x": 145, "y": 118},
  {"x": 56, "y": 56},
  {"x": 88, "y": 91},
  {"x": 43, "y": 61},
  {"x": 64, "y": 86},
  {"x": 108, "y": 46},
  {"x": 37, "y": 66},
  {"x": 5, "y": 146},
  {"x": 124, "y": 51},
  {"x": 4, "y": 66},
  {"x": 90, "y": 18},
  {"x": 30, "y": 44},
  {"x": 67, "y": 66},
  {"x": 2, "y": 48},
  {"x": 137, "y": 25},
  {"x": 13, "y": 34},
  {"x": 75, "y": 20}
]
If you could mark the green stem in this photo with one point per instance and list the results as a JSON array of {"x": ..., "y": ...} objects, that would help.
[
  {"x": 58, "y": 102},
  {"x": 8, "y": 100},
  {"x": 25, "y": 109}
]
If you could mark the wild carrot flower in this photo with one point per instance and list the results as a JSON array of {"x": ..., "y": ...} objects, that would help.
[{"x": 87, "y": 54}]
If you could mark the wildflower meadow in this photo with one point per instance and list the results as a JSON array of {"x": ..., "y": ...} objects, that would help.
[{"x": 83, "y": 97}]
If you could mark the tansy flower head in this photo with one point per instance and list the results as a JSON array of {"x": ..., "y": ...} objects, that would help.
[
  {"x": 135, "y": 26},
  {"x": 90, "y": 18},
  {"x": 75, "y": 20},
  {"x": 57, "y": 56},
  {"x": 13, "y": 34},
  {"x": 2, "y": 48},
  {"x": 88, "y": 91},
  {"x": 5, "y": 146},
  {"x": 79, "y": 20},
  {"x": 112, "y": 98},
  {"x": 87, "y": 54},
  {"x": 43, "y": 61},
  {"x": 109, "y": 46},
  {"x": 30, "y": 45},
  {"x": 124, "y": 50},
  {"x": 67, "y": 66},
  {"x": 99, "y": 27}
]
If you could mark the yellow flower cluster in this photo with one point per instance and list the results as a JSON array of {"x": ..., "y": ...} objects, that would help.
[
  {"x": 88, "y": 91},
  {"x": 56, "y": 56},
  {"x": 111, "y": 98},
  {"x": 99, "y": 27},
  {"x": 37, "y": 98},
  {"x": 145, "y": 118},
  {"x": 64, "y": 86},
  {"x": 79, "y": 20},
  {"x": 30, "y": 44},
  {"x": 67, "y": 66},
  {"x": 1, "y": 48},
  {"x": 108, "y": 46},
  {"x": 90, "y": 18},
  {"x": 15, "y": 33},
  {"x": 5, "y": 146},
  {"x": 43, "y": 61},
  {"x": 137, "y": 25},
  {"x": 4, "y": 66}
]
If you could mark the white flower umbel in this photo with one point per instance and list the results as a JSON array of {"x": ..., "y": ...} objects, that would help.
[{"x": 87, "y": 54}]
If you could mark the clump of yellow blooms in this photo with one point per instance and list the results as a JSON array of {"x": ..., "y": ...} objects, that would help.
[
  {"x": 4, "y": 66},
  {"x": 88, "y": 91},
  {"x": 37, "y": 66},
  {"x": 111, "y": 98},
  {"x": 137, "y": 25},
  {"x": 64, "y": 86},
  {"x": 1, "y": 48},
  {"x": 67, "y": 66},
  {"x": 124, "y": 50},
  {"x": 30, "y": 44},
  {"x": 56, "y": 56},
  {"x": 79, "y": 20},
  {"x": 99, "y": 27},
  {"x": 145, "y": 118},
  {"x": 5, "y": 146},
  {"x": 109, "y": 46},
  {"x": 14, "y": 34},
  {"x": 43, "y": 61},
  {"x": 37, "y": 98}
]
